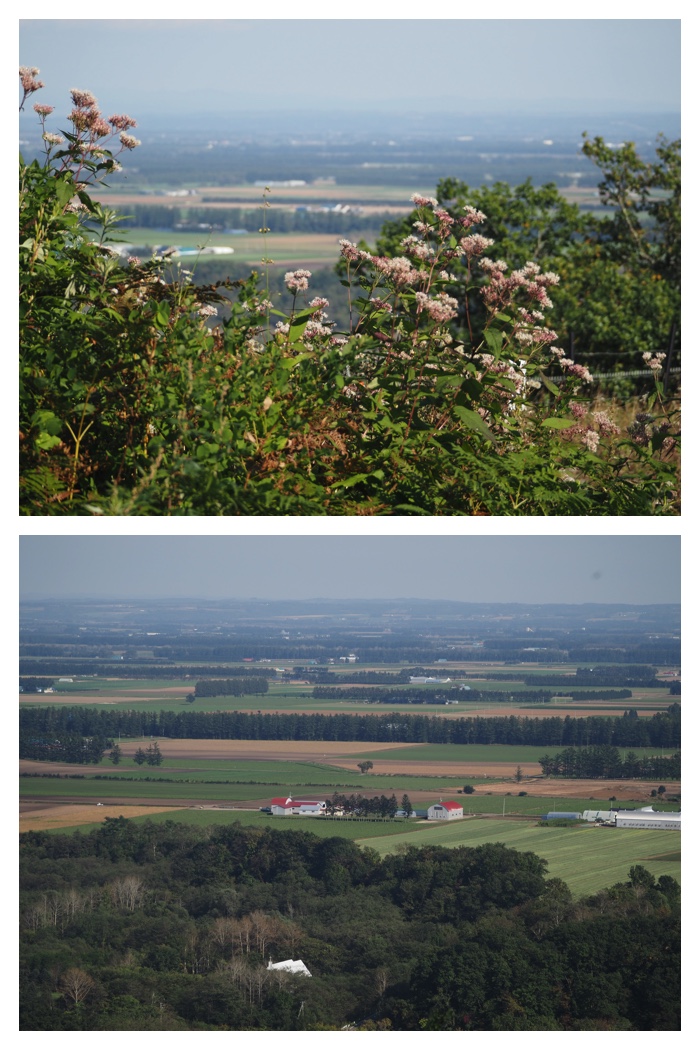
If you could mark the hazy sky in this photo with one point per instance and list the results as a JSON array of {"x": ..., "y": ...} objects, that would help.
[
  {"x": 147, "y": 66},
  {"x": 630, "y": 569}
]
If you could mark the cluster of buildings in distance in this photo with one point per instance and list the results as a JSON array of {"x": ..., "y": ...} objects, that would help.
[{"x": 645, "y": 818}]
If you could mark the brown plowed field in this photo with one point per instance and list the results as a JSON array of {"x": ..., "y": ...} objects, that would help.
[{"x": 42, "y": 816}]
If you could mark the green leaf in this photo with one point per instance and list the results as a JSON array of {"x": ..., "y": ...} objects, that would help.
[
  {"x": 473, "y": 420},
  {"x": 558, "y": 424},
  {"x": 548, "y": 385},
  {"x": 494, "y": 341},
  {"x": 296, "y": 328},
  {"x": 46, "y": 441},
  {"x": 163, "y": 314}
]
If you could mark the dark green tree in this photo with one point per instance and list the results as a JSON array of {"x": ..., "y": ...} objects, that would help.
[
  {"x": 140, "y": 756},
  {"x": 153, "y": 754}
]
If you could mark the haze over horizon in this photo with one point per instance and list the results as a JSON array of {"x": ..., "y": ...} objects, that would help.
[
  {"x": 633, "y": 570},
  {"x": 242, "y": 66}
]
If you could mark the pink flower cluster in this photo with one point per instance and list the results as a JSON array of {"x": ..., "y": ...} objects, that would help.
[
  {"x": 472, "y": 217},
  {"x": 441, "y": 309},
  {"x": 417, "y": 248},
  {"x": 398, "y": 271},
  {"x": 90, "y": 127},
  {"x": 297, "y": 280},
  {"x": 475, "y": 244},
  {"x": 568, "y": 367},
  {"x": 505, "y": 369},
  {"x": 352, "y": 253},
  {"x": 654, "y": 361},
  {"x": 420, "y": 202},
  {"x": 589, "y": 433},
  {"x": 500, "y": 291},
  {"x": 27, "y": 76}
]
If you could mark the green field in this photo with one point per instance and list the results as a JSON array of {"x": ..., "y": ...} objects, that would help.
[
  {"x": 473, "y": 753},
  {"x": 147, "y": 694},
  {"x": 585, "y": 857},
  {"x": 321, "y": 248}
]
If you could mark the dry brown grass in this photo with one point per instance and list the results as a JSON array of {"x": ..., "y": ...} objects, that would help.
[{"x": 43, "y": 816}]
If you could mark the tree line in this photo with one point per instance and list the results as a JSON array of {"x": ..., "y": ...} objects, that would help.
[
  {"x": 660, "y": 730},
  {"x": 277, "y": 220},
  {"x": 423, "y": 695},
  {"x": 604, "y": 761},
  {"x": 231, "y": 686}
]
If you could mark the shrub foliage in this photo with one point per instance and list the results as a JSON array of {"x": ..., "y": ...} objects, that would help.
[{"x": 135, "y": 400}]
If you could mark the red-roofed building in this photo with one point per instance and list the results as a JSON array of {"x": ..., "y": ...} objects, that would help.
[
  {"x": 289, "y": 807},
  {"x": 445, "y": 811}
]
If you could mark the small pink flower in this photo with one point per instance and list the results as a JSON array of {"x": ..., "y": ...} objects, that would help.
[
  {"x": 654, "y": 361},
  {"x": 121, "y": 122},
  {"x": 474, "y": 244},
  {"x": 592, "y": 438},
  {"x": 441, "y": 309},
  {"x": 82, "y": 99},
  {"x": 423, "y": 202},
  {"x": 472, "y": 217}
]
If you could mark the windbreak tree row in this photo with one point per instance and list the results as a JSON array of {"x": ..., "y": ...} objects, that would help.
[{"x": 660, "y": 730}]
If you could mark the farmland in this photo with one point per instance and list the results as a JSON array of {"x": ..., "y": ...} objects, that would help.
[
  {"x": 221, "y": 778},
  {"x": 587, "y": 858}
]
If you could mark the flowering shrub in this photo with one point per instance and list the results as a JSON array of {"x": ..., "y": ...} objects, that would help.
[{"x": 135, "y": 400}]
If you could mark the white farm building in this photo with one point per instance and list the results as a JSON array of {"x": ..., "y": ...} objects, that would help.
[
  {"x": 647, "y": 818},
  {"x": 290, "y": 807},
  {"x": 445, "y": 811}
]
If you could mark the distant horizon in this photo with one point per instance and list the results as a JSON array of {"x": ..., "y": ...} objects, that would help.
[
  {"x": 122, "y": 598},
  {"x": 377, "y": 64}
]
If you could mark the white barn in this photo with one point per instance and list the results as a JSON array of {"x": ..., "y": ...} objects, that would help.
[
  {"x": 289, "y": 807},
  {"x": 445, "y": 811}
]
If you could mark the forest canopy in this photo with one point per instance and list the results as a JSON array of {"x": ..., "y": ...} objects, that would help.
[{"x": 164, "y": 927}]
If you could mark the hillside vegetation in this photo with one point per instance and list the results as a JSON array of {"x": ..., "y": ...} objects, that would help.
[
  {"x": 442, "y": 391},
  {"x": 168, "y": 927}
]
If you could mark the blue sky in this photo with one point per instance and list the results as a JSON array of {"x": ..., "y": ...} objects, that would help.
[
  {"x": 569, "y": 569},
  {"x": 147, "y": 66}
]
